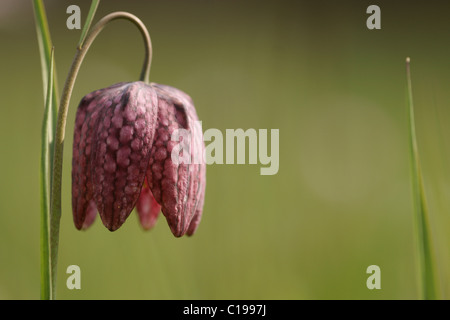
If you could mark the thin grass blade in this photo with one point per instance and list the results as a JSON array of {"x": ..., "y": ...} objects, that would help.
[
  {"x": 46, "y": 280},
  {"x": 421, "y": 217},
  {"x": 45, "y": 48},
  {"x": 87, "y": 24}
]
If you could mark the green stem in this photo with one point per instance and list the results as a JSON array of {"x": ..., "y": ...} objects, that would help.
[
  {"x": 47, "y": 135},
  {"x": 45, "y": 189},
  {"x": 425, "y": 252},
  {"x": 62, "y": 118}
]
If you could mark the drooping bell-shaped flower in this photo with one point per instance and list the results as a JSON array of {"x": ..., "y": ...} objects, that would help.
[{"x": 128, "y": 152}]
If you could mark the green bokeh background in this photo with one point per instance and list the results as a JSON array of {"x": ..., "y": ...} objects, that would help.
[{"x": 341, "y": 200}]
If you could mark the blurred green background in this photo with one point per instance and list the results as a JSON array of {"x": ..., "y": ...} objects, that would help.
[{"x": 341, "y": 200}]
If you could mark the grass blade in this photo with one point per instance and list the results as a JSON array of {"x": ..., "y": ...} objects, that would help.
[
  {"x": 44, "y": 40},
  {"x": 47, "y": 147},
  {"x": 46, "y": 281},
  {"x": 45, "y": 48},
  {"x": 87, "y": 24},
  {"x": 421, "y": 216}
]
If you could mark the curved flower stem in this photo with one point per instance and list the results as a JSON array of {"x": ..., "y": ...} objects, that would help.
[{"x": 62, "y": 119}]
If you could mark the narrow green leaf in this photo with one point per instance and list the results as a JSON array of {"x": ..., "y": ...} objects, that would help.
[
  {"x": 45, "y": 48},
  {"x": 48, "y": 129},
  {"x": 43, "y": 36},
  {"x": 421, "y": 216},
  {"x": 45, "y": 190},
  {"x": 87, "y": 24}
]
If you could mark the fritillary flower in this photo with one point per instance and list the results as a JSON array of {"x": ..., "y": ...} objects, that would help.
[{"x": 125, "y": 156}]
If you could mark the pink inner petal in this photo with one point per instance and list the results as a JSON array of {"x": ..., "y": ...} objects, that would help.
[{"x": 147, "y": 208}]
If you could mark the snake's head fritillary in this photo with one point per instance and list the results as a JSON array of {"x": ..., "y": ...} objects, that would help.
[{"x": 124, "y": 156}]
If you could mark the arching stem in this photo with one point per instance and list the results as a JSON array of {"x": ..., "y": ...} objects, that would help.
[{"x": 62, "y": 118}]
